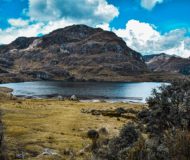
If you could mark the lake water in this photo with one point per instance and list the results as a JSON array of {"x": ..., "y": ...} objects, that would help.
[{"x": 136, "y": 92}]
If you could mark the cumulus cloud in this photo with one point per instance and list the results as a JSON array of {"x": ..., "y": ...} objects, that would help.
[
  {"x": 145, "y": 38},
  {"x": 26, "y": 30},
  {"x": 187, "y": 43},
  {"x": 18, "y": 22},
  {"x": 12, "y": 33},
  {"x": 150, "y": 4},
  {"x": 142, "y": 37},
  {"x": 92, "y": 11},
  {"x": 48, "y": 15},
  {"x": 31, "y": 30},
  {"x": 104, "y": 26}
]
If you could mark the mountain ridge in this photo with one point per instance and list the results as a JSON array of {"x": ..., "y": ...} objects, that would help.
[
  {"x": 168, "y": 63},
  {"x": 75, "y": 52}
]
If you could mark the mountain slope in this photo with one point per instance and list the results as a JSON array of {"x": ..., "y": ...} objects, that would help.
[
  {"x": 168, "y": 63},
  {"x": 76, "y": 52}
]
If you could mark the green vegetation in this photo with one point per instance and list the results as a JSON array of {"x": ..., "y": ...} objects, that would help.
[
  {"x": 162, "y": 131},
  {"x": 53, "y": 129}
]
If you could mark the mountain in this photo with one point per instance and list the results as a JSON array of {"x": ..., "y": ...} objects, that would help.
[
  {"x": 168, "y": 63},
  {"x": 76, "y": 52},
  {"x": 147, "y": 58}
]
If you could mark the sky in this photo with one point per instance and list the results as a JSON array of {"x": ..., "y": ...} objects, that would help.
[{"x": 147, "y": 26}]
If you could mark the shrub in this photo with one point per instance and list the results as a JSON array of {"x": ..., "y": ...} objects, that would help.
[
  {"x": 93, "y": 135},
  {"x": 164, "y": 126},
  {"x": 112, "y": 150},
  {"x": 169, "y": 107},
  {"x": 178, "y": 143}
]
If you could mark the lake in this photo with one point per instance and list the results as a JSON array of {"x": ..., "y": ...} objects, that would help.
[{"x": 111, "y": 91}]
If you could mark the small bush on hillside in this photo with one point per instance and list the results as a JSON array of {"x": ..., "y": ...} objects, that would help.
[{"x": 128, "y": 135}]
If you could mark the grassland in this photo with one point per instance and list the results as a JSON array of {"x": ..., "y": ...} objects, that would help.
[{"x": 31, "y": 126}]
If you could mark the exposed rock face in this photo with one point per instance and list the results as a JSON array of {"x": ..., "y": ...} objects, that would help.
[
  {"x": 76, "y": 52},
  {"x": 168, "y": 63}
]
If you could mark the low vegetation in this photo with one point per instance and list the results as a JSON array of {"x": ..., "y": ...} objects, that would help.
[
  {"x": 55, "y": 129},
  {"x": 162, "y": 131}
]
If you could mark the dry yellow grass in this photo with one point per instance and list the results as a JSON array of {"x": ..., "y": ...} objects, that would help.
[{"x": 33, "y": 125}]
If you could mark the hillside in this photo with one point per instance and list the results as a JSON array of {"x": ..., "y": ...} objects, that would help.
[
  {"x": 168, "y": 63},
  {"x": 76, "y": 52}
]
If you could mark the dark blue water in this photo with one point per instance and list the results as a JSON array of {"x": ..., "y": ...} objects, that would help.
[{"x": 85, "y": 90}]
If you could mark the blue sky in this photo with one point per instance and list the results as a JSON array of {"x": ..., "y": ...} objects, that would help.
[
  {"x": 170, "y": 14},
  {"x": 148, "y": 26},
  {"x": 11, "y": 9}
]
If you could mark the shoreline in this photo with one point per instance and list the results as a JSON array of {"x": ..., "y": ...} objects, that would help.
[
  {"x": 85, "y": 99},
  {"x": 98, "y": 81},
  {"x": 146, "y": 77},
  {"x": 61, "y": 91}
]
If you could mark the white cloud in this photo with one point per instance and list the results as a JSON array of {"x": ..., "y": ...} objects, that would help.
[
  {"x": 187, "y": 43},
  {"x": 48, "y": 15},
  {"x": 12, "y": 33},
  {"x": 18, "y": 22},
  {"x": 92, "y": 11},
  {"x": 104, "y": 26},
  {"x": 144, "y": 38},
  {"x": 32, "y": 30},
  {"x": 150, "y": 4}
]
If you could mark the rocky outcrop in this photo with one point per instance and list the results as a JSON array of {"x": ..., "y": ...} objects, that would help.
[{"x": 76, "y": 52}]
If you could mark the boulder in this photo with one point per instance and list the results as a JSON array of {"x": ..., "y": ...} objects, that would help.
[
  {"x": 74, "y": 98},
  {"x": 60, "y": 98}
]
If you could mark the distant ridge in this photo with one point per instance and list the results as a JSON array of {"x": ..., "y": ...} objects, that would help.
[{"x": 168, "y": 63}]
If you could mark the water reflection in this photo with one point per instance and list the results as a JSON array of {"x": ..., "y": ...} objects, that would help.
[{"x": 85, "y": 90}]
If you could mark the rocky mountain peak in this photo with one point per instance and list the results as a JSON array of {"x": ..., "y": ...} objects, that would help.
[
  {"x": 21, "y": 42},
  {"x": 74, "y": 52}
]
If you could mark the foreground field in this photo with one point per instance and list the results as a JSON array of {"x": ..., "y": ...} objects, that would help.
[{"x": 33, "y": 127}]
